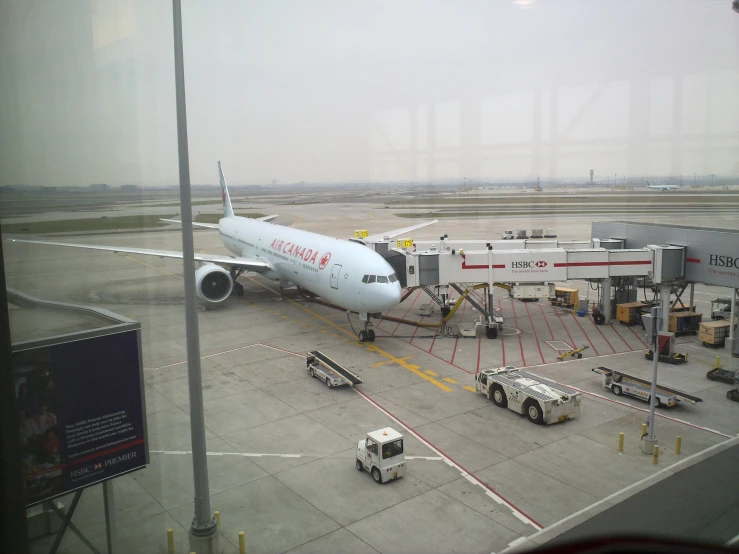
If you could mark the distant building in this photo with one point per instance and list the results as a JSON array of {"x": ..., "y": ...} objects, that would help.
[
  {"x": 48, "y": 189},
  {"x": 100, "y": 187},
  {"x": 129, "y": 188}
]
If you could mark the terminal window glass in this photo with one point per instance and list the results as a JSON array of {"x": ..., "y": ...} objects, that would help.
[{"x": 392, "y": 449}]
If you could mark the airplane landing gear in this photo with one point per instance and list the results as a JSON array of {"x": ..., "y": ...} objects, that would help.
[
  {"x": 366, "y": 334},
  {"x": 238, "y": 288}
]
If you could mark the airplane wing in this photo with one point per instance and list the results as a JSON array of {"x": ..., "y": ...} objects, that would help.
[
  {"x": 250, "y": 264},
  {"x": 396, "y": 232},
  {"x": 208, "y": 225},
  {"x": 215, "y": 225}
]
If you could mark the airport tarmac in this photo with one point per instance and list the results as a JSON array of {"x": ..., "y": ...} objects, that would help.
[{"x": 281, "y": 463}]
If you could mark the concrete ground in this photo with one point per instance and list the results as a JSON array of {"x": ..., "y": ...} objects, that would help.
[{"x": 282, "y": 445}]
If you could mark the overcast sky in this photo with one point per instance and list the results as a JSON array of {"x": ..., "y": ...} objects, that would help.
[{"x": 387, "y": 90}]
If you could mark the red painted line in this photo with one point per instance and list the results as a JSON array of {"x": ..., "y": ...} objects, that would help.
[
  {"x": 623, "y": 339},
  {"x": 584, "y": 333},
  {"x": 602, "y": 335},
  {"x": 572, "y": 342},
  {"x": 413, "y": 336},
  {"x": 536, "y": 336},
  {"x": 406, "y": 312},
  {"x": 408, "y": 428},
  {"x": 546, "y": 321},
  {"x": 520, "y": 342},
  {"x": 594, "y": 264},
  {"x": 693, "y": 260},
  {"x": 454, "y": 352},
  {"x": 637, "y": 336}
]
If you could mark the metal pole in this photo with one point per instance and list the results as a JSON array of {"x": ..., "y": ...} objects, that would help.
[
  {"x": 109, "y": 505},
  {"x": 203, "y": 523},
  {"x": 731, "y": 320},
  {"x": 664, "y": 294},
  {"x": 653, "y": 392},
  {"x": 692, "y": 296}
]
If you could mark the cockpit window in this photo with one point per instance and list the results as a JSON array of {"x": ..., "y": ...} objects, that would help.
[
  {"x": 365, "y": 278},
  {"x": 393, "y": 278},
  {"x": 371, "y": 279},
  {"x": 381, "y": 279}
]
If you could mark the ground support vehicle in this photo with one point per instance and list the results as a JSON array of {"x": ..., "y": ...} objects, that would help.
[
  {"x": 381, "y": 454},
  {"x": 541, "y": 400},
  {"x": 721, "y": 375},
  {"x": 576, "y": 353},
  {"x": 507, "y": 235},
  {"x": 334, "y": 375},
  {"x": 621, "y": 383},
  {"x": 675, "y": 358},
  {"x": 721, "y": 308}
]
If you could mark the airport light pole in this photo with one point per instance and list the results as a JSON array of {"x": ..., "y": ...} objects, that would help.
[
  {"x": 204, "y": 530},
  {"x": 649, "y": 441}
]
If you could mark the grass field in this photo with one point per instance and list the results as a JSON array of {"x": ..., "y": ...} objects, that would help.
[{"x": 131, "y": 222}]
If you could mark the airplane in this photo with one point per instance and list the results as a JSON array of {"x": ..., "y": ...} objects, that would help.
[
  {"x": 342, "y": 272},
  {"x": 662, "y": 187}
]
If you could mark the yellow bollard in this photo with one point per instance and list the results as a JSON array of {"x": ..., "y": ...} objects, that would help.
[
  {"x": 643, "y": 429},
  {"x": 242, "y": 543},
  {"x": 620, "y": 442},
  {"x": 218, "y": 517},
  {"x": 655, "y": 458},
  {"x": 678, "y": 444},
  {"x": 718, "y": 362},
  {"x": 170, "y": 541}
]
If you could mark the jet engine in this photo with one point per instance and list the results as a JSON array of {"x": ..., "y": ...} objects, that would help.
[{"x": 213, "y": 283}]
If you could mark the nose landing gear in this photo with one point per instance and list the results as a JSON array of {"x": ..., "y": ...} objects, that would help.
[{"x": 366, "y": 334}]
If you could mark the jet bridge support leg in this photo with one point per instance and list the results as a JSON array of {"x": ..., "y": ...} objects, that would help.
[
  {"x": 606, "y": 299},
  {"x": 664, "y": 297}
]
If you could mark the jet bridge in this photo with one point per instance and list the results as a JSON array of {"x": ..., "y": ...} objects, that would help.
[{"x": 459, "y": 268}]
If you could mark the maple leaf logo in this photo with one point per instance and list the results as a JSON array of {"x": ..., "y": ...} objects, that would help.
[{"x": 324, "y": 260}]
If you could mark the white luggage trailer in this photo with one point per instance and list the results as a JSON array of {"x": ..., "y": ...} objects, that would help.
[
  {"x": 541, "y": 400},
  {"x": 622, "y": 383},
  {"x": 381, "y": 453}
]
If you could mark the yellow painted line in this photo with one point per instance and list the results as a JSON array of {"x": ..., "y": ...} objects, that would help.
[
  {"x": 471, "y": 389},
  {"x": 432, "y": 373},
  {"x": 297, "y": 219},
  {"x": 450, "y": 380},
  {"x": 371, "y": 347},
  {"x": 378, "y": 364},
  {"x": 370, "y": 214},
  {"x": 155, "y": 267}
]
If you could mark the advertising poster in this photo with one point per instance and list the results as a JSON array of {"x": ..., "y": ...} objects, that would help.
[{"x": 81, "y": 413}]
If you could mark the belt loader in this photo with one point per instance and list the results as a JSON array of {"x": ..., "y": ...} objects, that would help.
[
  {"x": 541, "y": 400},
  {"x": 324, "y": 368},
  {"x": 622, "y": 383}
]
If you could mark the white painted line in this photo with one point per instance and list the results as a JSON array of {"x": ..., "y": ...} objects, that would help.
[
  {"x": 732, "y": 541},
  {"x": 471, "y": 478},
  {"x": 226, "y": 352},
  {"x": 242, "y": 454},
  {"x": 431, "y": 458},
  {"x": 518, "y": 541}
]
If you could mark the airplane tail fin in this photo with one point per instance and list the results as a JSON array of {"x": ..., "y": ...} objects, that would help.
[{"x": 228, "y": 210}]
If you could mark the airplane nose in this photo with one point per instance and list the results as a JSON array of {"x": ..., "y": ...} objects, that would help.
[{"x": 392, "y": 296}]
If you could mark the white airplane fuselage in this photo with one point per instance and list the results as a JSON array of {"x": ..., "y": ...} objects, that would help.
[{"x": 328, "y": 267}]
